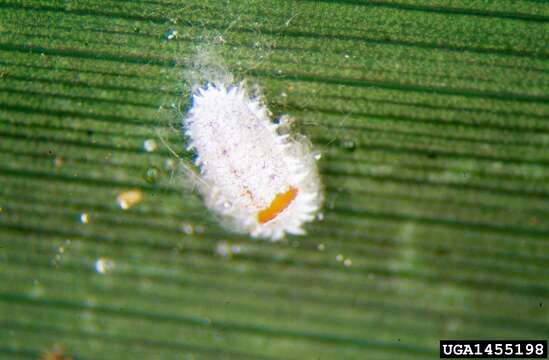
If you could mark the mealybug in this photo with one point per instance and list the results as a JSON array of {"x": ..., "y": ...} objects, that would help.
[{"x": 259, "y": 181}]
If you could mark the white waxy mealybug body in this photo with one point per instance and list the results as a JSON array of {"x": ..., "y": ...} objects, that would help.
[{"x": 260, "y": 182}]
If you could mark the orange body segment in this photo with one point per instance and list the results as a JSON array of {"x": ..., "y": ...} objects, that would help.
[{"x": 279, "y": 203}]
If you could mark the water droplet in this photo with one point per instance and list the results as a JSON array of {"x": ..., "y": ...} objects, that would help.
[
  {"x": 129, "y": 198},
  {"x": 170, "y": 34},
  {"x": 150, "y": 145},
  {"x": 187, "y": 228},
  {"x": 84, "y": 218},
  {"x": 152, "y": 174},
  {"x": 348, "y": 144},
  {"x": 223, "y": 249},
  {"x": 317, "y": 155},
  {"x": 227, "y": 250},
  {"x": 347, "y": 262},
  {"x": 235, "y": 249},
  {"x": 339, "y": 257},
  {"x": 169, "y": 164},
  {"x": 227, "y": 204},
  {"x": 103, "y": 265},
  {"x": 320, "y": 216},
  {"x": 321, "y": 247}
]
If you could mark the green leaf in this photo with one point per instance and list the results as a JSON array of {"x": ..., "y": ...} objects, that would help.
[{"x": 432, "y": 118}]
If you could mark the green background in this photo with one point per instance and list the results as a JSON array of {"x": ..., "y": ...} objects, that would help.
[{"x": 432, "y": 118}]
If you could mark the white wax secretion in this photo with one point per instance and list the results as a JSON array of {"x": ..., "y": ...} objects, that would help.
[{"x": 257, "y": 180}]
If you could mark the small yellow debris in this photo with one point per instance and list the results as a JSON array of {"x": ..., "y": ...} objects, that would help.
[
  {"x": 56, "y": 353},
  {"x": 129, "y": 198},
  {"x": 58, "y": 161}
]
